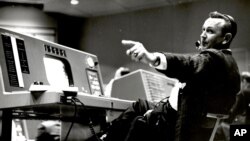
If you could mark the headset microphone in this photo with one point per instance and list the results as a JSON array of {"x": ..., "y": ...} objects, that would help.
[{"x": 197, "y": 44}]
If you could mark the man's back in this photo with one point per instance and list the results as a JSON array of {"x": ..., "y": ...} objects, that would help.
[{"x": 212, "y": 82}]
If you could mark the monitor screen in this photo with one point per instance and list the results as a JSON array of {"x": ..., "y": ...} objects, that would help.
[
  {"x": 56, "y": 72},
  {"x": 94, "y": 82}
]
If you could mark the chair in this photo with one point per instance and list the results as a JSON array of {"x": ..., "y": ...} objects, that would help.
[{"x": 218, "y": 118}]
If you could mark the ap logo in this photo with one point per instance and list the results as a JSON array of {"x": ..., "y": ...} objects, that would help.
[{"x": 239, "y": 132}]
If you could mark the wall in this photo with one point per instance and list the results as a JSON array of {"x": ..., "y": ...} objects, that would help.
[
  {"x": 28, "y": 19},
  {"x": 68, "y": 30},
  {"x": 25, "y": 16},
  {"x": 170, "y": 28}
]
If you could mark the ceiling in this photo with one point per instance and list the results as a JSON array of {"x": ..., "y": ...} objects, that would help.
[{"x": 92, "y": 8}]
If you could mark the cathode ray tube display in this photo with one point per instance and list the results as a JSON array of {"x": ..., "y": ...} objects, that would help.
[{"x": 56, "y": 73}]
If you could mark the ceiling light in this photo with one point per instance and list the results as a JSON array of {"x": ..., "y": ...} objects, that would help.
[{"x": 74, "y": 2}]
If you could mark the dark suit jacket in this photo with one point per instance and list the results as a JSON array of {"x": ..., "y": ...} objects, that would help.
[{"x": 212, "y": 82}]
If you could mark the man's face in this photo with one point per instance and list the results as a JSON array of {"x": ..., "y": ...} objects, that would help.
[
  {"x": 243, "y": 84},
  {"x": 211, "y": 35}
]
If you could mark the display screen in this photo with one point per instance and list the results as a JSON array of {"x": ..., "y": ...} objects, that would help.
[
  {"x": 56, "y": 72},
  {"x": 94, "y": 82}
]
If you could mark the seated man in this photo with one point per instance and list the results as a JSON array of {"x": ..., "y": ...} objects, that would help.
[
  {"x": 118, "y": 73},
  {"x": 240, "y": 112},
  {"x": 49, "y": 131},
  {"x": 212, "y": 81},
  {"x": 241, "y": 107}
]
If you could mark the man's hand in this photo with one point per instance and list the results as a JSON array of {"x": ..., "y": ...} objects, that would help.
[{"x": 138, "y": 52}]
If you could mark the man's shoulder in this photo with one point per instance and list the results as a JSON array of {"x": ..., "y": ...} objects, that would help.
[
  {"x": 210, "y": 50},
  {"x": 217, "y": 52}
]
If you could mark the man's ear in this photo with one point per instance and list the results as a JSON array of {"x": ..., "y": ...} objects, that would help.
[{"x": 227, "y": 38}]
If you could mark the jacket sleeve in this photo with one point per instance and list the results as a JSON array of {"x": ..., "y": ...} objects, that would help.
[{"x": 184, "y": 67}]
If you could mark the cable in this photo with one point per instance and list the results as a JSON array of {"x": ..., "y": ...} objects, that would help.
[
  {"x": 72, "y": 123},
  {"x": 91, "y": 126}
]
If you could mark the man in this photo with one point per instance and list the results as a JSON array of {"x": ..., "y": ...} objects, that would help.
[
  {"x": 48, "y": 131},
  {"x": 211, "y": 80},
  {"x": 242, "y": 104},
  {"x": 240, "y": 112},
  {"x": 118, "y": 73}
]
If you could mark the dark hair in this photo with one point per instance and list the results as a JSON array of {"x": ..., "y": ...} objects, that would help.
[{"x": 231, "y": 25}]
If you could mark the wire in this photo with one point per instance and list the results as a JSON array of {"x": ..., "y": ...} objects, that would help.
[
  {"x": 72, "y": 123},
  {"x": 91, "y": 126}
]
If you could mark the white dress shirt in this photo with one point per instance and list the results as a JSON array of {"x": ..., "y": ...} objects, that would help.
[{"x": 173, "y": 99}]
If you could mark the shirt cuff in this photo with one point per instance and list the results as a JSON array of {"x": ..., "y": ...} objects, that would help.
[{"x": 163, "y": 61}]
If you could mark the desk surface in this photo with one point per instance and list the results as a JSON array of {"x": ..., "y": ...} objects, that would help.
[{"x": 49, "y": 105}]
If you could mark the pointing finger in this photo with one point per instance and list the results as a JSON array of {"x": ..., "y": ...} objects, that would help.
[{"x": 129, "y": 43}]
